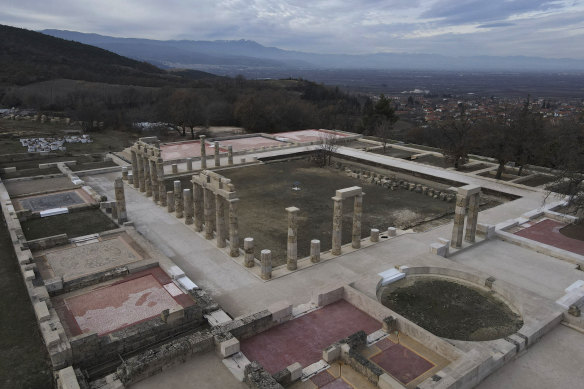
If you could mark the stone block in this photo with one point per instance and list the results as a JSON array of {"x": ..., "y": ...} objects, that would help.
[
  {"x": 66, "y": 379},
  {"x": 281, "y": 311},
  {"x": 391, "y": 275},
  {"x": 175, "y": 272},
  {"x": 29, "y": 275},
  {"x": 328, "y": 297},
  {"x": 54, "y": 284},
  {"x": 331, "y": 353},
  {"x": 348, "y": 192},
  {"x": 439, "y": 249},
  {"x": 41, "y": 311},
  {"x": 468, "y": 190},
  {"x": 229, "y": 347},
  {"x": 295, "y": 370}
]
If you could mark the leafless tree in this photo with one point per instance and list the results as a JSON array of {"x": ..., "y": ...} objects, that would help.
[{"x": 328, "y": 145}]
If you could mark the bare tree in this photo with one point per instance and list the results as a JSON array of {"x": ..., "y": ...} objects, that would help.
[
  {"x": 383, "y": 132},
  {"x": 328, "y": 145},
  {"x": 457, "y": 137}
]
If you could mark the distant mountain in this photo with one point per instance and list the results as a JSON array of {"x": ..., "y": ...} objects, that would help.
[
  {"x": 245, "y": 54},
  {"x": 28, "y": 56}
]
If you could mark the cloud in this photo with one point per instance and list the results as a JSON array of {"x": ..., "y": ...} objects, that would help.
[
  {"x": 473, "y": 27},
  {"x": 494, "y": 25}
]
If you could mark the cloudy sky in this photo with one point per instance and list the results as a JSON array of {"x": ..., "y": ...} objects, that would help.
[{"x": 552, "y": 29}]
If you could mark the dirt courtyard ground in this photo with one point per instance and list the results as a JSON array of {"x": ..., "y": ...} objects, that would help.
[{"x": 266, "y": 190}]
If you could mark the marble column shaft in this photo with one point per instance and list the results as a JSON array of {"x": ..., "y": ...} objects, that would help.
[
  {"x": 357, "y": 214},
  {"x": 135, "y": 174},
  {"x": 217, "y": 159},
  {"x": 160, "y": 178},
  {"x": 189, "y": 164},
  {"x": 249, "y": 252},
  {"x": 170, "y": 201},
  {"x": 471, "y": 220},
  {"x": 337, "y": 225},
  {"x": 233, "y": 228},
  {"x": 178, "y": 200},
  {"x": 198, "y": 205},
  {"x": 147, "y": 181},
  {"x": 220, "y": 221},
  {"x": 292, "y": 244},
  {"x": 458, "y": 228},
  {"x": 230, "y": 155},
  {"x": 209, "y": 213},
  {"x": 141, "y": 182},
  {"x": 266, "y": 264},
  {"x": 188, "y": 205},
  {"x": 315, "y": 251},
  {"x": 203, "y": 153},
  {"x": 154, "y": 179},
  {"x": 121, "y": 200},
  {"x": 374, "y": 235}
]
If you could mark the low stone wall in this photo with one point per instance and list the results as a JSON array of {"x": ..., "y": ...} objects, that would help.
[
  {"x": 256, "y": 377},
  {"x": 162, "y": 357}
]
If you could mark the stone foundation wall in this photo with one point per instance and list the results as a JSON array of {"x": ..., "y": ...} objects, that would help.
[{"x": 256, "y": 377}]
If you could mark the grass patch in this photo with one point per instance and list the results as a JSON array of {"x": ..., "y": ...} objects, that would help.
[{"x": 74, "y": 224}]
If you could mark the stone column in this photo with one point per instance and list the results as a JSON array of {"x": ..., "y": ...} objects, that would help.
[
  {"x": 233, "y": 228},
  {"x": 174, "y": 168},
  {"x": 189, "y": 164},
  {"x": 170, "y": 201},
  {"x": 198, "y": 206},
  {"x": 374, "y": 235},
  {"x": 135, "y": 168},
  {"x": 266, "y": 264},
  {"x": 230, "y": 155},
  {"x": 188, "y": 206},
  {"x": 357, "y": 213},
  {"x": 337, "y": 225},
  {"x": 203, "y": 153},
  {"x": 471, "y": 220},
  {"x": 141, "y": 181},
  {"x": 220, "y": 221},
  {"x": 458, "y": 227},
  {"x": 147, "y": 182},
  {"x": 209, "y": 213},
  {"x": 178, "y": 201},
  {"x": 292, "y": 246},
  {"x": 315, "y": 251},
  {"x": 249, "y": 252},
  {"x": 217, "y": 159},
  {"x": 114, "y": 210},
  {"x": 121, "y": 200},
  {"x": 160, "y": 179},
  {"x": 125, "y": 173},
  {"x": 154, "y": 178}
]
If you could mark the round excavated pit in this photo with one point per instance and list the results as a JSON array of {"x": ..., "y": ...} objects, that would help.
[{"x": 451, "y": 309}]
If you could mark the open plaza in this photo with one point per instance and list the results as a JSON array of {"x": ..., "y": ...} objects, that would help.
[{"x": 242, "y": 262}]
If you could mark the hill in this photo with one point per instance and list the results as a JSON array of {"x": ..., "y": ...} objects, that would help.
[
  {"x": 231, "y": 57},
  {"x": 27, "y": 57}
]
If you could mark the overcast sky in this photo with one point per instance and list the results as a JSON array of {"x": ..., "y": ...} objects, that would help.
[{"x": 552, "y": 29}]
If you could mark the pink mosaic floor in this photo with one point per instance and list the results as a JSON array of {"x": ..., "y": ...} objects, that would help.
[
  {"x": 306, "y": 135},
  {"x": 134, "y": 299},
  {"x": 548, "y": 232},
  {"x": 183, "y": 150},
  {"x": 303, "y": 339},
  {"x": 250, "y": 143}
]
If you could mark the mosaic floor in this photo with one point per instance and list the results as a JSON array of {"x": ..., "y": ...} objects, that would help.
[
  {"x": 252, "y": 142},
  {"x": 132, "y": 300},
  {"x": 187, "y": 149},
  {"x": 303, "y": 339},
  {"x": 54, "y": 200},
  {"x": 548, "y": 232},
  {"x": 74, "y": 262}
]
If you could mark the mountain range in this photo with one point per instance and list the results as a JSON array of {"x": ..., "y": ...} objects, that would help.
[{"x": 232, "y": 56}]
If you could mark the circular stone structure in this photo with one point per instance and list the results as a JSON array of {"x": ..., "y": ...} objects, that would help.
[{"x": 451, "y": 308}]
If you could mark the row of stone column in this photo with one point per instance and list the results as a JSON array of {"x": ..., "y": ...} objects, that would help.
[{"x": 217, "y": 159}]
